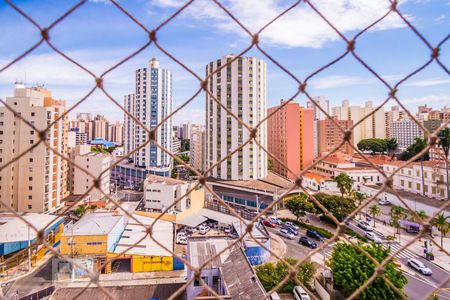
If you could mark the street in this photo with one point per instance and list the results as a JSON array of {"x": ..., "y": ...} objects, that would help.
[{"x": 418, "y": 285}]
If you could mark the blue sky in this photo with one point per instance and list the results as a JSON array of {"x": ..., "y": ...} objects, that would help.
[{"x": 98, "y": 35}]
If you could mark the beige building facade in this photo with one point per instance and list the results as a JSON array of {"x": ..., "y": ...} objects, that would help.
[{"x": 36, "y": 182}]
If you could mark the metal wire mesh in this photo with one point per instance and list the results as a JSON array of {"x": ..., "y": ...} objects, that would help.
[{"x": 254, "y": 42}]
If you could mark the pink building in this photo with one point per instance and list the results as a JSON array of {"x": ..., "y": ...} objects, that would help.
[{"x": 290, "y": 138}]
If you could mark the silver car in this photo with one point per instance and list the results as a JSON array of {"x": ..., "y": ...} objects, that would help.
[
  {"x": 373, "y": 237},
  {"x": 419, "y": 266},
  {"x": 286, "y": 233}
]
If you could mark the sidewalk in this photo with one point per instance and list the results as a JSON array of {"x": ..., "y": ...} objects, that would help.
[{"x": 21, "y": 270}]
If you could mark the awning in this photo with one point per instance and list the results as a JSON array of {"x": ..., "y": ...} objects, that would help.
[
  {"x": 218, "y": 216},
  {"x": 193, "y": 220}
]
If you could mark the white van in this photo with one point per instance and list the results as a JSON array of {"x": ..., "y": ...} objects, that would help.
[
  {"x": 300, "y": 293},
  {"x": 274, "y": 296}
]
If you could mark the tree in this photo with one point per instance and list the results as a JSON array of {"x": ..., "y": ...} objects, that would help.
[
  {"x": 270, "y": 275},
  {"x": 444, "y": 143},
  {"x": 185, "y": 145},
  {"x": 397, "y": 213},
  {"x": 80, "y": 210},
  {"x": 344, "y": 183},
  {"x": 375, "y": 211},
  {"x": 391, "y": 145},
  {"x": 358, "y": 197},
  {"x": 174, "y": 173},
  {"x": 339, "y": 206},
  {"x": 184, "y": 157},
  {"x": 421, "y": 215},
  {"x": 442, "y": 225},
  {"x": 375, "y": 145},
  {"x": 269, "y": 164},
  {"x": 299, "y": 205},
  {"x": 351, "y": 269}
]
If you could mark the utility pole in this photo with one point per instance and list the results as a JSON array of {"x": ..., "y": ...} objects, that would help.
[{"x": 29, "y": 249}]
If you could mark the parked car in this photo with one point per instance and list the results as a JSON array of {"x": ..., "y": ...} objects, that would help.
[
  {"x": 384, "y": 202},
  {"x": 269, "y": 224},
  {"x": 300, "y": 293},
  {"x": 364, "y": 225},
  {"x": 315, "y": 235},
  {"x": 275, "y": 220},
  {"x": 419, "y": 266},
  {"x": 286, "y": 233},
  {"x": 203, "y": 229},
  {"x": 373, "y": 237},
  {"x": 227, "y": 229},
  {"x": 291, "y": 230},
  {"x": 308, "y": 243},
  {"x": 274, "y": 296},
  {"x": 290, "y": 224},
  {"x": 182, "y": 240}
]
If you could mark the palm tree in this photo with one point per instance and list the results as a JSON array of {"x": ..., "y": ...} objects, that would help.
[
  {"x": 444, "y": 143},
  {"x": 375, "y": 211},
  {"x": 344, "y": 183},
  {"x": 442, "y": 225},
  {"x": 397, "y": 213},
  {"x": 358, "y": 197}
]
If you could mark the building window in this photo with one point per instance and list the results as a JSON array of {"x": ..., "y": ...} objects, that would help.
[{"x": 30, "y": 206}]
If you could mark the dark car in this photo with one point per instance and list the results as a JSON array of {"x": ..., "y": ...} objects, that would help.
[
  {"x": 291, "y": 230},
  {"x": 315, "y": 235},
  {"x": 306, "y": 242}
]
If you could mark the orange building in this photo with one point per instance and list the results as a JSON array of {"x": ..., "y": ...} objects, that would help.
[
  {"x": 290, "y": 138},
  {"x": 330, "y": 136}
]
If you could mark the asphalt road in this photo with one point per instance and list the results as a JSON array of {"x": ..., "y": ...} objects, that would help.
[
  {"x": 418, "y": 285},
  {"x": 38, "y": 280}
]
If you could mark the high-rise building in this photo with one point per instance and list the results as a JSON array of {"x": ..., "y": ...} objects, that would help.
[
  {"x": 150, "y": 104},
  {"x": 290, "y": 132},
  {"x": 318, "y": 115},
  {"x": 374, "y": 126},
  {"x": 406, "y": 131},
  {"x": 392, "y": 116},
  {"x": 115, "y": 133},
  {"x": 75, "y": 138},
  {"x": 241, "y": 87},
  {"x": 196, "y": 146},
  {"x": 330, "y": 136},
  {"x": 37, "y": 181},
  {"x": 185, "y": 131},
  {"x": 100, "y": 127},
  {"x": 323, "y": 103}
]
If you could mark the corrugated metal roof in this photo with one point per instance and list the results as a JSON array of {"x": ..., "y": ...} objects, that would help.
[{"x": 95, "y": 223}]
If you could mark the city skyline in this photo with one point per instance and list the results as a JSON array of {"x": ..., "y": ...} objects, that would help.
[{"x": 380, "y": 47}]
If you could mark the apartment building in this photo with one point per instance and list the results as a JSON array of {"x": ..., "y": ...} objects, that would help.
[
  {"x": 241, "y": 88},
  {"x": 115, "y": 133},
  {"x": 330, "y": 135},
  {"x": 150, "y": 104},
  {"x": 36, "y": 182},
  {"x": 374, "y": 126},
  {"x": 318, "y": 116},
  {"x": 290, "y": 132},
  {"x": 197, "y": 144},
  {"x": 405, "y": 131},
  {"x": 95, "y": 163}
]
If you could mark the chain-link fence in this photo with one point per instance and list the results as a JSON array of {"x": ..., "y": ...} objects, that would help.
[{"x": 253, "y": 42}]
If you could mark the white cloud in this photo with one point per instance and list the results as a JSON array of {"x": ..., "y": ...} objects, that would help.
[
  {"x": 428, "y": 82},
  {"x": 440, "y": 19},
  {"x": 336, "y": 81},
  {"x": 300, "y": 27},
  {"x": 442, "y": 99}
]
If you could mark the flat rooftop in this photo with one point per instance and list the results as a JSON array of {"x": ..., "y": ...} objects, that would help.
[
  {"x": 95, "y": 223},
  {"x": 134, "y": 232},
  {"x": 163, "y": 180},
  {"x": 13, "y": 229},
  {"x": 202, "y": 249}
]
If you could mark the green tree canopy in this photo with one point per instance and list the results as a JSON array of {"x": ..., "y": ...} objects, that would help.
[
  {"x": 339, "y": 206},
  {"x": 418, "y": 145},
  {"x": 391, "y": 145},
  {"x": 344, "y": 183},
  {"x": 299, "y": 205},
  {"x": 375, "y": 145},
  {"x": 183, "y": 157},
  {"x": 442, "y": 225},
  {"x": 374, "y": 211},
  {"x": 270, "y": 275},
  {"x": 397, "y": 213},
  {"x": 351, "y": 269}
]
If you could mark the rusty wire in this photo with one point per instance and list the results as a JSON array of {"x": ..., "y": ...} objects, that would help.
[{"x": 254, "y": 42}]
